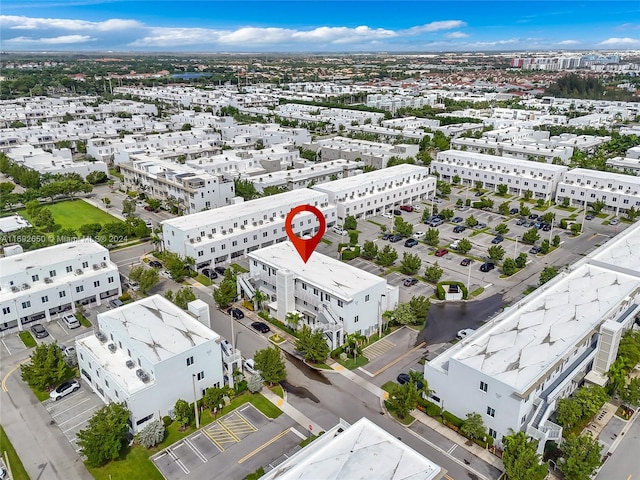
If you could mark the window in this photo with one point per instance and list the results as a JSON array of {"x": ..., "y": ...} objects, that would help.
[
  {"x": 366, "y": 298},
  {"x": 79, "y": 288},
  {"x": 26, "y": 304},
  {"x": 491, "y": 412},
  {"x": 96, "y": 283},
  {"x": 69, "y": 268},
  {"x": 106, "y": 383},
  {"x": 493, "y": 433},
  {"x": 85, "y": 264},
  {"x": 200, "y": 375},
  {"x": 110, "y": 280},
  {"x": 340, "y": 303},
  {"x": 356, "y": 319},
  {"x": 34, "y": 278},
  {"x": 142, "y": 420},
  {"x": 483, "y": 386},
  {"x": 63, "y": 294},
  {"x": 52, "y": 273},
  {"x": 45, "y": 299},
  {"x": 6, "y": 310},
  {"x": 189, "y": 361}
]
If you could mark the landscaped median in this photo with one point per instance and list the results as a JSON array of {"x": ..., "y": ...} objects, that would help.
[{"x": 17, "y": 469}]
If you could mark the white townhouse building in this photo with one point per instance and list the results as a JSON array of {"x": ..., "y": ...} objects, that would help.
[
  {"x": 374, "y": 154},
  {"x": 582, "y": 186},
  {"x": 515, "y": 368},
  {"x": 266, "y": 133},
  {"x": 329, "y": 295},
  {"x": 194, "y": 189},
  {"x": 218, "y": 236},
  {"x": 55, "y": 162},
  {"x": 317, "y": 173},
  {"x": 379, "y": 191},
  {"x": 40, "y": 284},
  {"x": 492, "y": 170},
  {"x": 148, "y": 354}
]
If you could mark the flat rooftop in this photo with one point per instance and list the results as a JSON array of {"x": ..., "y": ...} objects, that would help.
[
  {"x": 244, "y": 209},
  {"x": 48, "y": 255},
  {"x": 616, "y": 177},
  {"x": 362, "y": 450},
  {"x": 362, "y": 180},
  {"x": 328, "y": 274},
  {"x": 158, "y": 329},
  {"x": 526, "y": 340},
  {"x": 501, "y": 160},
  {"x": 13, "y": 223}
]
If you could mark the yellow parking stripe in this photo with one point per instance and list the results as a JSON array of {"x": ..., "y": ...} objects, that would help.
[
  {"x": 214, "y": 441},
  {"x": 233, "y": 435},
  {"x": 263, "y": 446}
]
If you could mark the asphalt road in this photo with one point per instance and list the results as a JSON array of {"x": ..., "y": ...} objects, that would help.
[{"x": 624, "y": 464}]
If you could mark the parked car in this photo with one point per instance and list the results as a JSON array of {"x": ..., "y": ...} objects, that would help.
[
  {"x": 459, "y": 229},
  {"x": 454, "y": 245},
  {"x": 64, "y": 389},
  {"x": 338, "y": 229},
  {"x": 387, "y": 236},
  {"x": 67, "y": 351},
  {"x": 487, "y": 266},
  {"x": 437, "y": 200},
  {"x": 418, "y": 235},
  {"x": 533, "y": 216},
  {"x": 387, "y": 215},
  {"x": 591, "y": 216},
  {"x": 441, "y": 252},
  {"x": 436, "y": 222},
  {"x": 534, "y": 250},
  {"x": 397, "y": 212},
  {"x": 209, "y": 273},
  {"x": 166, "y": 274},
  {"x": 410, "y": 282},
  {"x": 464, "y": 208},
  {"x": 261, "y": 327},
  {"x": 406, "y": 208},
  {"x": 416, "y": 208},
  {"x": 546, "y": 227},
  {"x": 513, "y": 211},
  {"x": 116, "y": 303},
  {"x": 457, "y": 219},
  {"x": 148, "y": 208},
  {"x": 405, "y": 378},
  {"x": 155, "y": 264},
  {"x": 614, "y": 221},
  {"x": 235, "y": 313},
  {"x": 466, "y": 262},
  {"x": 220, "y": 270},
  {"x": 39, "y": 331},
  {"x": 250, "y": 366},
  {"x": 133, "y": 286},
  {"x": 395, "y": 238},
  {"x": 480, "y": 226},
  {"x": 521, "y": 221},
  {"x": 71, "y": 321},
  {"x": 464, "y": 333},
  {"x": 3, "y": 473},
  {"x": 411, "y": 242},
  {"x": 497, "y": 239},
  {"x": 479, "y": 194}
]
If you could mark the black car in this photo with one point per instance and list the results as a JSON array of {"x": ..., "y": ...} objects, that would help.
[
  {"x": 405, "y": 378},
  {"x": 411, "y": 242},
  {"x": 261, "y": 327},
  {"x": 397, "y": 212},
  {"x": 395, "y": 238},
  {"x": 487, "y": 266},
  {"x": 546, "y": 227},
  {"x": 497, "y": 239},
  {"x": 533, "y": 216},
  {"x": 479, "y": 194},
  {"x": 457, "y": 219},
  {"x": 459, "y": 229},
  {"x": 521, "y": 221},
  {"x": 210, "y": 274},
  {"x": 387, "y": 236},
  {"x": 220, "y": 270},
  {"x": 466, "y": 262},
  {"x": 409, "y": 282},
  {"x": 513, "y": 211},
  {"x": 155, "y": 264},
  {"x": 591, "y": 216},
  {"x": 534, "y": 250},
  {"x": 235, "y": 313},
  {"x": 39, "y": 331}
]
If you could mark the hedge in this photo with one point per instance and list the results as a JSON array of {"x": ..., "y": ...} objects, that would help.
[
  {"x": 441, "y": 292},
  {"x": 430, "y": 408},
  {"x": 452, "y": 419},
  {"x": 351, "y": 254}
]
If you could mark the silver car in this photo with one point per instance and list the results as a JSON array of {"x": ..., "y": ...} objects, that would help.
[{"x": 63, "y": 390}]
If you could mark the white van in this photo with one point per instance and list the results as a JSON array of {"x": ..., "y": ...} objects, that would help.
[
  {"x": 250, "y": 366},
  {"x": 338, "y": 229},
  {"x": 71, "y": 321}
]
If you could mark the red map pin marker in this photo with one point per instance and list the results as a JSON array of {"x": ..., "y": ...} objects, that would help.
[{"x": 305, "y": 246}]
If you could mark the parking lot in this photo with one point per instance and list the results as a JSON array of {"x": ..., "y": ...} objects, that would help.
[
  {"x": 232, "y": 446},
  {"x": 72, "y": 412}
]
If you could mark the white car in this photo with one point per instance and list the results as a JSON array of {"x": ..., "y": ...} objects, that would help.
[
  {"x": 614, "y": 221},
  {"x": 464, "y": 333},
  {"x": 250, "y": 366},
  {"x": 418, "y": 235},
  {"x": 388, "y": 215},
  {"x": 454, "y": 245},
  {"x": 165, "y": 274},
  {"x": 338, "y": 229},
  {"x": 416, "y": 208},
  {"x": 63, "y": 390},
  {"x": 71, "y": 321}
]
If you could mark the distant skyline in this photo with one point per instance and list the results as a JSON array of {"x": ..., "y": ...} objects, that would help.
[{"x": 318, "y": 26}]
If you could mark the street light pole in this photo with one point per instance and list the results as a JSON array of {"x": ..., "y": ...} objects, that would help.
[
  {"x": 380, "y": 315},
  {"x": 515, "y": 250},
  {"x": 195, "y": 401},
  {"x": 468, "y": 278}
]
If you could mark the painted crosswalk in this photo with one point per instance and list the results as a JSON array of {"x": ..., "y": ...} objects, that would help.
[{"x": 378, "y": 348}]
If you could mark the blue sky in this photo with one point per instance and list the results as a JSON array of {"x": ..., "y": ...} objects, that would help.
[{"x": 318, "y": 26}]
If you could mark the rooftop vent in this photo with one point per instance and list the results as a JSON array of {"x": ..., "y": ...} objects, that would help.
[
  {"x": 47, "y": 280},
  {"x": 142, "y": 375},
  {"x": 96, "y": 266},
  {"x": 103, "y": 264},
  {"x": 26, "y": 286},
  {"x": 101, "y": 336},
  {"x": 130, "y": 364},
  {"x": 79, "y": 271},
  {"x": 112, "y": 347},
  {"x": 14, "y": 289}
]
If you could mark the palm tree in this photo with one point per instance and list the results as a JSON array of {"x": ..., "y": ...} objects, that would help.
[
  {"x": 237, "y": 377},
  {"x": 417, "y": 378},
  {"x": 293, "y": 318},
  {"x": 258, "y": 297}
]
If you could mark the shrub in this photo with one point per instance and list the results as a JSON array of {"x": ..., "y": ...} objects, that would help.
[
  {"x": 125, "y": 297},
  {"x": 452, "y": 419},
  {"x": 441, "y": 292},
  {"x": 152, "y": 434},
  {"x": 431, "y": 408},
  {"x": 166, "y": 420},
  {"x": 351, "y": 254}
]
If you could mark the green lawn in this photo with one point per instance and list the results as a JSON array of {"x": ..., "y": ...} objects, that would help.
[
  {"x": 360, "y": 361},
  {"x": 203, "y": 280},
  {"x": 277, "y": 389},
  {"x": 19, "y": 473},
  {"x": 75, "y": 213},
  {"x": 83, "y": 320},
  {"x": 27, "y": 339}
]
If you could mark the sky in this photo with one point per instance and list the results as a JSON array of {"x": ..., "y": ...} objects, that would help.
[{"x": 318, "y": 26}]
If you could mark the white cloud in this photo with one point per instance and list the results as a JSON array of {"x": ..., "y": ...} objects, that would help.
[
  {"x": 28, "y": 23},
  {"x": 434, "y": 27},
  {"x": 568, "y": 42},
  {"x": 456, "y": 35},
  {"x": 626, "y": 42},
  {"x": 61, "y": 40}
]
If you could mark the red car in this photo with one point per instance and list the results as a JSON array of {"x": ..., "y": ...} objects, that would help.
[
  {"x": 406, "y": 208},
  {"x": 441, "y": 252}
]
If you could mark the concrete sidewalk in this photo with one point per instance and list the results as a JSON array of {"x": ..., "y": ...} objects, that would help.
[{"x": 291, "y": 411}]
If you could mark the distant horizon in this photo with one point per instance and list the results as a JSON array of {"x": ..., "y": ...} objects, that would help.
[{"x": 311, "y": 26}]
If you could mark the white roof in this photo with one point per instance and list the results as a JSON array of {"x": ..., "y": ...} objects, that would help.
[
  {"x": 361, "y": 451},
  {"x": 502, "y": 160},
  {"x": 12, "y": 223},
  {"x": 48, "y": 255},
  {"x": 239, "y": 210},
  {"x": 403, "y": 170},
  {"x": 158, "y": 329},
  {"x": 328, "y": 274},
  {"x": 522, "y": 343}
]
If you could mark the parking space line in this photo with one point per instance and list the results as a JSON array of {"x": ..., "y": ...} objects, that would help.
[
  {"x": 196, "y": 451},
  {"x": 301, "y": 435},
  {"x": 70, "y": 408},
  {"x": 247, "y": 422},
  {"x": 85, "y": 421},
  {"x": 63, "y": 329},
  {"x": 178, "y": 461},
  {"x": 214, "y": 441},
  {"x": 5, "y": 346},
  {"x": 263, "y": 446},
  {"x": 75, "y": 416},
  {"x": 398, "y": 359}
]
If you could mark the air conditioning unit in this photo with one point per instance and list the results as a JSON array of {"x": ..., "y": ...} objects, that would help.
[
  {"x": 198, "y": 239},
  {"x": 260, "y": 222},
  {"x": 14, "y": 289},
  {"x": 101, "y": 336},
  {"x": 241, "y": 227},
  {"x": 47, "y": 280},
  {"x": 79, "y": 271},
  {"x": 142, "y": 375},
  {"x": 96, "y": 266},
  {"x": 209, "y": 235},
  {"x": 255, "y": 224},
  {"x": 130, "y": 364},
  {"x": 103, "y": 264},
  {"x": 231, "y": 230},
  {"x": 192, "y": 240},
  {"x": 112, "y": 347},
  {"x": 223, "y": 232},
  {"x": 26, "y": 286}
]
